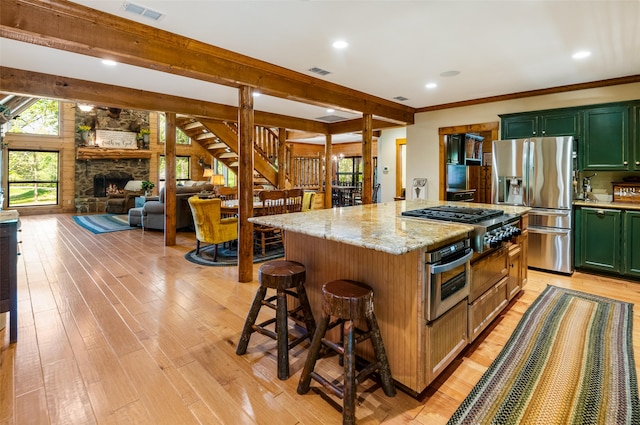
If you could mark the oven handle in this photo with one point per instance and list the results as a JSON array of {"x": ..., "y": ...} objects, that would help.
[{"x": 452, "y": 265}]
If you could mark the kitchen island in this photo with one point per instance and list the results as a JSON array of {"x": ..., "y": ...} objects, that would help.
[{"x": 374, "y": 244}]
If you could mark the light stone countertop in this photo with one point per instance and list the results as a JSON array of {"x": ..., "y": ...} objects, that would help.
[
  {"x": 379, "y": 226},
  {"x": 8, "y": 215},
  {"x": 608, "y": 205}
]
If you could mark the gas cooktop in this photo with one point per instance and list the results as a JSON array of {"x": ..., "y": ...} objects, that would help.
[{"x": 456, "y": 214}]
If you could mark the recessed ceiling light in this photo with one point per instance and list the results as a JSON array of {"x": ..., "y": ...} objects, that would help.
[
  {"x": 84, "y": 107},
  {"x": 581, "y": 55},
  {"x": 431, "y": 85},
  {"x": 449, "y": 73},
  {"x": 109, "y": 62},
  {"x": 256, "y": 94},
  {"x": 340, "y": 44},
  {"x": 329, "y": 110}
]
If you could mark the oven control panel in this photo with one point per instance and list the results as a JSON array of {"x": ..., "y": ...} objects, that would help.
[{"x": 497, "y": 237}]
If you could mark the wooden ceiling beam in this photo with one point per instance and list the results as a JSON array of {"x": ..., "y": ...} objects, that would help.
[
  {"x": 36, "y": 84},
  {"x": 75, "y": 28},
  {"x": 353, "y": 126}
]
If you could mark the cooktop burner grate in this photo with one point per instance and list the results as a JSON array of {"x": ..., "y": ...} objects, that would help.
[{"x": 455, "y": 214}]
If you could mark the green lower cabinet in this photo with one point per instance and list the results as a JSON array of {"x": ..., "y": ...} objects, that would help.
[
  {"x": 632, "y": 243},
  {"x": 600, "y": 234}
]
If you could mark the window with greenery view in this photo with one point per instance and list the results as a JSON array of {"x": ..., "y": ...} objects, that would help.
[
  {"x": 183, "y": 169},
  {"x": 229, "y": 176},
  {"x": 40, "y": 118},
  {"x": 33, "y": 178},
  {"x": 181, "y": 138},
  {"x": 349, "y": 171}
]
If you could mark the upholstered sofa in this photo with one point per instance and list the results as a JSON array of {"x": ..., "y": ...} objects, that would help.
[{"x": 153, "y": 211}]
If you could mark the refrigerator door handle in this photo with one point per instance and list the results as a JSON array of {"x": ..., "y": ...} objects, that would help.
[
  {"x": 553, "y": 213},
  {"x": 549, "y": 231}
]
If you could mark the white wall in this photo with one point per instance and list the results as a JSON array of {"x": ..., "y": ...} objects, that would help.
[
  {"x": 423, "y": 139},
  {"x": 387, "y": 158}
]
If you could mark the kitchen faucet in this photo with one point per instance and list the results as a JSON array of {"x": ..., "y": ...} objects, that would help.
[{"x": 586, "y": 186}]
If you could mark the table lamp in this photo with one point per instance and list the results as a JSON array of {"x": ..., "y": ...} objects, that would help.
[{"x": 217, "y": 180}]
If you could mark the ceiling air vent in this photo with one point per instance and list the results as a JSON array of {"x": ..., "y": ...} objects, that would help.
[
  {"x": 142, "y": 11},
  {"x": 319, "y": 71},
  {"x": 331, "y": 118},
  {"x": 401, "y": 98}
]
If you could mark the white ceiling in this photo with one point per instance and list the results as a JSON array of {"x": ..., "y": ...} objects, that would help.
[{"x": 395, "y": 47}]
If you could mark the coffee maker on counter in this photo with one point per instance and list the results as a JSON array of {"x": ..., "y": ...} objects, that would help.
[{"x": 586, "y": 186}]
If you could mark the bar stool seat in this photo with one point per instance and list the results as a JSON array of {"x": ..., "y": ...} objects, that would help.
[
  {"x": 283, "y": 276},
  {"x": 348, "y": 301}
]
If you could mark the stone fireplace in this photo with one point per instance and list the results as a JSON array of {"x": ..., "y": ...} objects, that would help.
[{"x": 94, "y": 176}]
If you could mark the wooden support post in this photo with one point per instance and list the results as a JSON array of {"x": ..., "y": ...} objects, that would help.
[
  {"x": 328, "y": 167},
  {"x": 170, "y": 180},
  {"x": 245, "y": 184},
  {"x": 367, "y": 158},
  {"x": 282, "y": 165}
]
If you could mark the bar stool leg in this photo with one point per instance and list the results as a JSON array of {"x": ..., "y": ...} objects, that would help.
[
  {"x": 251, "y": 320},
  {"x": 349, "y": 399},
  {"x": 312, "y": 357},
  {"x": 378, "y": 348},
  {"x": 306, "y": 311},
  {"x": 283, "y": 335}
]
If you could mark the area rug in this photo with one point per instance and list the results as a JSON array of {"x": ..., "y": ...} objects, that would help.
[
  {"x": 569, "y": 361},
  {"x": 229, "y": 256},
  {"x": 103, "y": 223}
]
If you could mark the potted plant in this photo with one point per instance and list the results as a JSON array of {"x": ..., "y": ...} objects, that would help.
[
  {"x": 84, "y": 132},
  {"x": 147, "y": 186},
  {"x": 145, "y": 132}
]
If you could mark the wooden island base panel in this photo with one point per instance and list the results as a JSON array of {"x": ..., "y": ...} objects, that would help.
[{"x": 373, "y": 244}]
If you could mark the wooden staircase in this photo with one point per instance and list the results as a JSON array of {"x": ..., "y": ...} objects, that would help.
[{"x": 220, "y": 138}]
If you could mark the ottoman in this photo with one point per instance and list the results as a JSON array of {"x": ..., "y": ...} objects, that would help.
[{"x": 135, "y": 217}]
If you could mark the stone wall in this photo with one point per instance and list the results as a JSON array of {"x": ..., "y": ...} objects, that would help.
[
  {"x": 115, "y": 120},
  {"x": 86, "y": 170}
]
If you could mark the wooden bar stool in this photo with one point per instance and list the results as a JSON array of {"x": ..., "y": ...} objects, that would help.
[
  {"x": 347, "y": 301},
  {"x": 283, "y": 276}
]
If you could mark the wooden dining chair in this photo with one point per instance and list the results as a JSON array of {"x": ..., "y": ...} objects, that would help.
[
  {"x": 294, "y": 200},
  {"x": 273, "y": 202}
]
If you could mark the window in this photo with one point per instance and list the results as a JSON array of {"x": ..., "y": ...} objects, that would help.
[
  {"x": 181, "y": 138},
  {"x": 183, "y": 169},
  {"x": 33, "y": 178},
  {"x": 229, "y": 176},
  {"x": 40, "y": 118},
  {"x": 349, "y": 171}
]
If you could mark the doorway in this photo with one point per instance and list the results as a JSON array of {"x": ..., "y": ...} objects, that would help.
[
  {"x": 401, "y": 168},
  {"x": 479, "y": 176}
]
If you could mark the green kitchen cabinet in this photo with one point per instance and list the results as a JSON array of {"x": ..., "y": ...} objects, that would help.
[
  {"x": 631, "y": 236},
  {"x": 635, "y": 144},
  {"x": 605, "y": 141},
  {"x": 561, "y": 122},
  {"x": 599, "y": 241}
]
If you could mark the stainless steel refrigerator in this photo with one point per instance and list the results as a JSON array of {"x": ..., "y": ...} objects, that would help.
[{"x": 538, "y": 173}]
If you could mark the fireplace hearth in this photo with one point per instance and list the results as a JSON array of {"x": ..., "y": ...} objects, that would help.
[{"x": 102, "y": 182}]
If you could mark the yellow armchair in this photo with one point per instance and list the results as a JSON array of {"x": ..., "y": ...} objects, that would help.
[{"x": 210, "y": 227}]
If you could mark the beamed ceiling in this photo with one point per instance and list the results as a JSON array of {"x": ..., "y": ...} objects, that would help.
[{"x": 193, "y": 59}]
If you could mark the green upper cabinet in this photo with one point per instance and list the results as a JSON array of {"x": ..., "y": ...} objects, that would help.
[
  {"x": 519, "y": 127},
  {"x": 606, "y": 138},
  {"x": 562, "y": 122},
  {"x": 635, "y": 146},
  {"x": 632, "y": 243}
]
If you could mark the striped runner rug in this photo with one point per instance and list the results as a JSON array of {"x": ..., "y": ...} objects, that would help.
[{"x": 569, "y": 361}]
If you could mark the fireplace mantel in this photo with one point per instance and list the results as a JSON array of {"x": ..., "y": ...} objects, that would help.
[{"x": 103, "y": 153}]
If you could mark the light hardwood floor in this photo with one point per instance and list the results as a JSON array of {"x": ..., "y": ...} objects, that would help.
[{"x": 118, "y": 329}]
